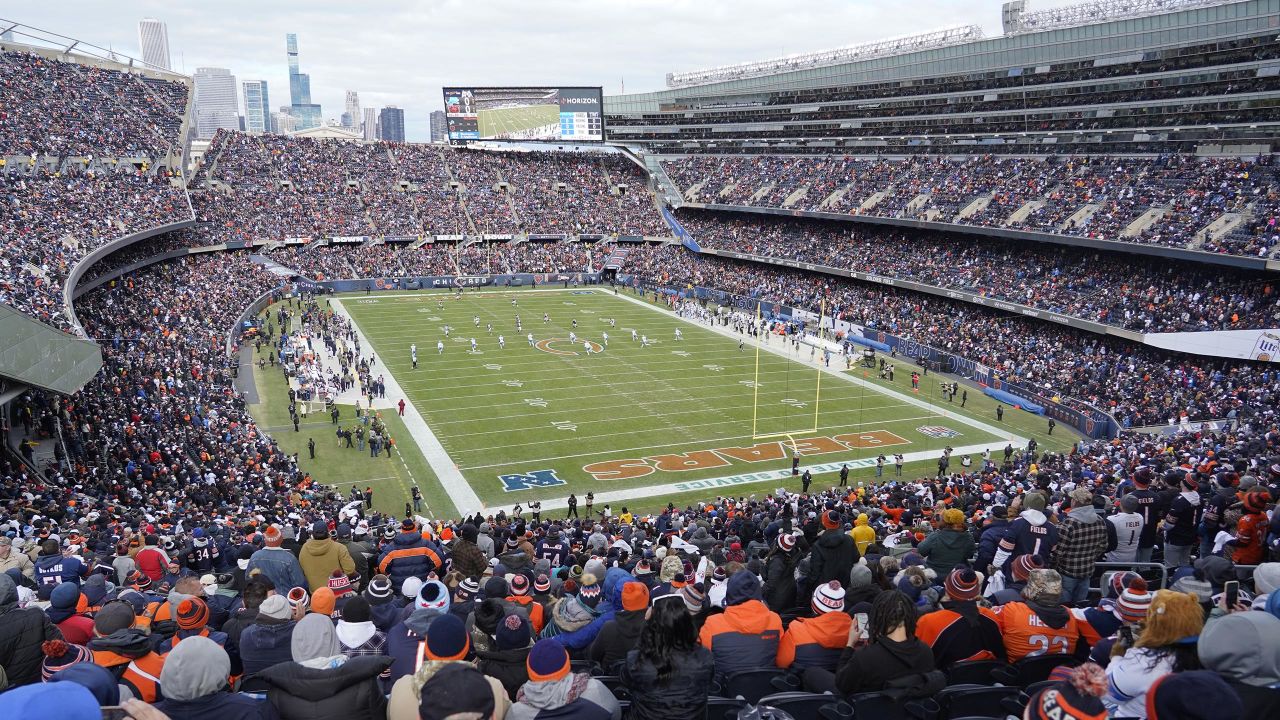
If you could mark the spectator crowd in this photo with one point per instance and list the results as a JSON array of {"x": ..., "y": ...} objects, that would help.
[
  {"x": 1166, "y": 200},
  {"x": 1102, "y": 287}
]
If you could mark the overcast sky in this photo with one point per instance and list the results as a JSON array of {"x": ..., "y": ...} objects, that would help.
[{"x": 400, "y": 52}]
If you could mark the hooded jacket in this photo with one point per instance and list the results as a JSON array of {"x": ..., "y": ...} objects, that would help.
[
  {"x": 863, "y": 534},
  {"x": 780, "y": 581},
  {"x": 872, "y": 666},
  {"x": 1183, "y": 519},
  {"x": 128, "y": 655},
  {"x": 1031, "y": 533},
  {"x": 403, "y": 640},
  {"x": 747, "y": 635},
  {"x": 193, "y": 677},
  {"x": 833, "y": 555},
  {"x": 579, "y": 640},
  {"x": 346, "y": 691},
  {"x": 1031, "y": 628},
  {"x": 575, "y": 696},
  {"x": 961, "y": 630},
  {"x": 507, "y": 667},
  {"x": 946, "y": 548},
  {"x": 22, "y": 630},
  {"x": 682, "y": 695},
  {"x": 989, "y": 543},
  {"x": 1244, "y": 648},
  {"x": 617, "y": 638},
  {"x": 319, "y": 558},
  {"x": 320, "y": 683}
]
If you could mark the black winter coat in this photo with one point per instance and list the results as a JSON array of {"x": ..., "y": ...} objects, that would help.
[
  {"x": 507, "y": 667},
  {"x": 682, "y": 695},
  {"x": 870, "y": 667},
  {"x": 780, "y": 581},
  {"x": 22, "y": 630},
  {"x": 833, "y": 557},
  {"x": 617, "y": 638},
  {"x": 348, "y": 692}
]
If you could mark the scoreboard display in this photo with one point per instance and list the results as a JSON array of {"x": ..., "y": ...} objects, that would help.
[{"x": 568, "y": 114}]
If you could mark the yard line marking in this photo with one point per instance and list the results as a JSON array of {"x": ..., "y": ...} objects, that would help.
[{"x": 464, "y": 498}]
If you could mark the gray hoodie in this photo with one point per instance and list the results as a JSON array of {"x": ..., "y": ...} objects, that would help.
[
  {"x": 1243, "y": 646},
  {"x": 196, "y": 667},
  {"x": 315, "y": 642},
  {"x": 534, "y": 697}
]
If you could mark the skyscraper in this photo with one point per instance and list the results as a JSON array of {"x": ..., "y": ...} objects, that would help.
[
  {"x": 370, "y": 124},
  {"x": 257, "y": 107},
  {"x": 305, "y": 114},
  {"x": 439, "y": 130},
  {"x": 392, "y": 122},
  {"x": 215, "y": 101},
  {"x": 153, "y": 39},
  {"x": 352, "y": 115}
]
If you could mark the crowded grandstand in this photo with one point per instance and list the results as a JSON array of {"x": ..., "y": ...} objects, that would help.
[{"x": 1070, "y": 226}]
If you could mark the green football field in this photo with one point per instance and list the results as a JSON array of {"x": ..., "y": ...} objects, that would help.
[
  {"x": 638, "y": 425},
  {"x": 500, "y": 121}
]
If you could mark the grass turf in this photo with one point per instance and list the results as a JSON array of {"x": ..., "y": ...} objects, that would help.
[
  {"x": 500, "y": 121},
  {"x": 654, "y": 414}
]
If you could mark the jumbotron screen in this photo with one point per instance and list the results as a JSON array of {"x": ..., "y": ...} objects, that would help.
[{"x": 568, "y": 114}]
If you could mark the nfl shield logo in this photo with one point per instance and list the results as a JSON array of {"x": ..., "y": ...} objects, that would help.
[{"x": 937, "y": 431}]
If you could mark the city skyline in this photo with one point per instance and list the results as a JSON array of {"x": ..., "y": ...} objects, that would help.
[{"x": 401, "y": 52}]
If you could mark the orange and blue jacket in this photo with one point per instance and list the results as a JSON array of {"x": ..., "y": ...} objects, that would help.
[
  {"x": 747, "y": 636},
  {"x": 815, "y": 642},
  {"x": 537, "y": 618}
]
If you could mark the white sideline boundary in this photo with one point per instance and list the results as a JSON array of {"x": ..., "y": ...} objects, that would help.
[{"x": 464, "y": 499}]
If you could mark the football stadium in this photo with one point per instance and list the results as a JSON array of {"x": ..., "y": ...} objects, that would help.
[{"x": 928, "y": 377}]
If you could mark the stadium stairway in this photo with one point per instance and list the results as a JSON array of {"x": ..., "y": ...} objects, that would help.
[
  {"x": 796, "y": 196},
  {"x": 1220, "y": 227},
  {"x": 1144, "y": 221}
]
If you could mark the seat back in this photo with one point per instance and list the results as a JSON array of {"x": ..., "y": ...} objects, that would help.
[
  {"x": 1036, "y": 669},
  {"x": 974, "y": 701},
  {"x": 973, "y": 672},
  {"x": 877, "y": 706},
  {"x": 799, "y": 705},
  {"x": 750, "y": 685}
]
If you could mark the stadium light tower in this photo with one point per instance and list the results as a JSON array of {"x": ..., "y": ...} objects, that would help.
[
  {"x": 1017, "y": 20},
  {"x": 866, "y": 51}
]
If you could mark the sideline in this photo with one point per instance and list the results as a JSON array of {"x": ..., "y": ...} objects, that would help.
[{"x": 464, "y": 499}]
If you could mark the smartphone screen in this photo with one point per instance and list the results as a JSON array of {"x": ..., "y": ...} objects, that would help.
[
  {"x": 114, "y": 712},
  {"x": 1232, "y": 590},
  {"x": 863, "y": 620}
]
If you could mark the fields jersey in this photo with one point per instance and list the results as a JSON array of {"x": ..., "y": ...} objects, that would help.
[{"x": 1128, "y": 528}]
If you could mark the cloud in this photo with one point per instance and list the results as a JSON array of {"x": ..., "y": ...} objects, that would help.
[{"x": 401, "y": 52}]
